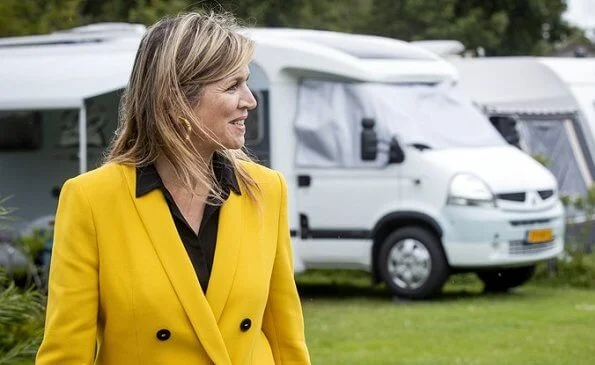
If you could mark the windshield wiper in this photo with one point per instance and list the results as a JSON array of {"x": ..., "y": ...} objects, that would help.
[{"x": 420, "y": 146}]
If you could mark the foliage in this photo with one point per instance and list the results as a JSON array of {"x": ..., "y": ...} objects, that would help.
[
  {"x": 575, "y": 269},
  {"x": 21, "y": 322},
  {"x": 506, "y": 27},
  {"x": 543, "y": 160},
  {"x": 33, "y": 246},
  {"x": 30, "y": 245},
  {"x": 21, "y": 315},
  {"x": 5, "y": 214},
  {"x": 503, "y": 27},
  {"x": 34, "y": 243},
  {"x": 18, "y": 17},
  {"x": 585, "y": 205},
  {"x": 534, "y": 26},
  {"x": 419, "y": 20}
]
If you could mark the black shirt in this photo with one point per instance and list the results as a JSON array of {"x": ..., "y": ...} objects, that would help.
[{"x": 201, "y": 247}]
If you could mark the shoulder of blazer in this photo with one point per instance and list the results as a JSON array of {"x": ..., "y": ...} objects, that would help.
[
  {"x": 265, "y": 177},
  {"x": 107, "y": 178}
]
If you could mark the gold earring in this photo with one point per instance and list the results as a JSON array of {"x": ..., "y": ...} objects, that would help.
[{"x": 188, "y": 127}]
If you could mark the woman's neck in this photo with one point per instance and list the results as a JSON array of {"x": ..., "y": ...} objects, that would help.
[{"x": 173, "y": 182}]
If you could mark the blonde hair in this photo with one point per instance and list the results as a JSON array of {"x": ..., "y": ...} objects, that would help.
[{"x": 177, "y": 57}]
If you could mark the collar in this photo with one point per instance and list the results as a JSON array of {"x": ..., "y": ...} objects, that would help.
[{"x": 148, "y": 179}]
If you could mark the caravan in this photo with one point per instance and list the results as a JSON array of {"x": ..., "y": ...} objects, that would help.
[
  {"x": 545, "y": 105},
  {"x": 58, "y": 110},
  {"x": 389, "y": 168}
]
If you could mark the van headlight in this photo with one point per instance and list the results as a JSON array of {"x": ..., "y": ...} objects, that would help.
[{"x": 471, "y": 191}]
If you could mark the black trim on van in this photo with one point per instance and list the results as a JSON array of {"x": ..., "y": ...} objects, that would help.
[
  {"x": 340, "y": 233},
  {"x": 407, "y": 215},
  {"x": 325, "y": 233},
  {"x": 306, "y": 232}
]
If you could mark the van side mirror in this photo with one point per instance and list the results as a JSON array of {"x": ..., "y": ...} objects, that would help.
[
  {"x": 369, "y": 140},
  {"x": 395, "y": 152}
]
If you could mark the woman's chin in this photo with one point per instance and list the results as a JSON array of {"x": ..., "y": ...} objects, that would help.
[{"x": 234, "y": 144}]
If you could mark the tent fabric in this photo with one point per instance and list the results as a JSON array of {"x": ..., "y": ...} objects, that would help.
[
  {"x": 550, "y": 139},
  {"x": 61, "y": 76},
  {"x": 328, "y": 124}
]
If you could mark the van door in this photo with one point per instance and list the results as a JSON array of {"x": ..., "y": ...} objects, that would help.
[{"x": 338, "y": 209}]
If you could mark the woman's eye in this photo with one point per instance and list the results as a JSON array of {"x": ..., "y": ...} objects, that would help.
[{"x": 233, "y": 87}]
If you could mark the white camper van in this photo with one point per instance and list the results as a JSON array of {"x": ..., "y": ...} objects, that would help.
[
  {"x": 389, "y": 170},
  {"x": 443, "y": 137}
]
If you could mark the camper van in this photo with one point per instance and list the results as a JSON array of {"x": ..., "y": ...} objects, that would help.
[{"x": 389, "y": 168}]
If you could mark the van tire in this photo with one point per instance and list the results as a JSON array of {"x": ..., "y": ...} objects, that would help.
[
  {"x": 501, "y": 280},
  {"x": 412, "y": 263}
]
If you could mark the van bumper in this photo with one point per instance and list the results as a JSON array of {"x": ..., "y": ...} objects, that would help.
[{"x": 484, "y": 237}]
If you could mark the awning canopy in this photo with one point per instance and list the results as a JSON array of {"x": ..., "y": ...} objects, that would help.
[
  {"x": 514, "y": 85},
  {"x": 61, "y": 75}
]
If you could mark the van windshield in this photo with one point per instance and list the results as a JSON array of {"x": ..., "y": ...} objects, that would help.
[
  {"x": 435, "y": 116},
  {"x": 330, "y": 114}
]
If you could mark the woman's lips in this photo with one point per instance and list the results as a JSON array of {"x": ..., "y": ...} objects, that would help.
[{"x": 239, "y": 121}]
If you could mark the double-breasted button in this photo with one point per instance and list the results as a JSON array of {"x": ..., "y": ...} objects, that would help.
[
  {"x": 163, "y": 335},
  {"x": 245, "y": 325}
]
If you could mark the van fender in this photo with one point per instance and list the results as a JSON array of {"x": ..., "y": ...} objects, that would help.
[{"x": 395, "y": 220}]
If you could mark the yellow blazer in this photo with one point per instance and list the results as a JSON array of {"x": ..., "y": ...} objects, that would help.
[{"x": 122, "y": 289}]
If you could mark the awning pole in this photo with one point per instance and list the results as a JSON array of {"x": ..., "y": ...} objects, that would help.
[{"x": 82, "y": 139}]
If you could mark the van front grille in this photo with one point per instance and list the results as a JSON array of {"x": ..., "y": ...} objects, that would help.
[
  {"x": 515, "y": 197},
  {"x": 530, "y": 222},
  {"x": 522, "y": 247},
  {"x": 544, "y": 194}
]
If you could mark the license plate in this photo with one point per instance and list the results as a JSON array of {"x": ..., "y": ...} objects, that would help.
[{"x": 540, "y": 235}]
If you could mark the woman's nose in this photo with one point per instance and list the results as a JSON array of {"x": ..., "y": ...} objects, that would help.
[{"x": 248, "y": 100}]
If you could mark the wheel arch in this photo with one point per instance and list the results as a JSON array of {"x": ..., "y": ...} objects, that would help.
[{"x": 395, "y": 220}]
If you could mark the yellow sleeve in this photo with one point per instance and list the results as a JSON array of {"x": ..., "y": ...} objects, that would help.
[
  {"x": 283, "y": 323},
  {"x": 71, "y": 314}
]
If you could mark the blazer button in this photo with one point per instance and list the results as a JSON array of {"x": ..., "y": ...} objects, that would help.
[
  {"x": 163, "y": 335},
  {"x": 245, "y": 325}
]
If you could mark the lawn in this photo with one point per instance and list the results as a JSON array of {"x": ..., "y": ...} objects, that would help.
[{"x": 347, "y": 322}]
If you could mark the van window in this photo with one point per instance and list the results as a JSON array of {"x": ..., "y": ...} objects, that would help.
[
  {"x": 506, "y": 125},
  {"x": 20, "y": 130}
]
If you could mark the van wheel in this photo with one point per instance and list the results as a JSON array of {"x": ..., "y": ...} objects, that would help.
[
  {"x": 412, "y": 263},
  {"x": 503, "y": 279}
]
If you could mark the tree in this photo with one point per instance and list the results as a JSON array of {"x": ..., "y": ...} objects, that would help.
[
  {"x": 534, "y": 26},
  {"x": 344, "y": 16},
  {"x": 501, "y": 27},
  {"x": 421, "y": 19},
  {"x": 19, "y": 17}
]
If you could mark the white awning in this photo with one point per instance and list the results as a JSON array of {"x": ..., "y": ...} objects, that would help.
[
  {"x": 59, "y": 76},
  {"x": 514, "y": 84}
]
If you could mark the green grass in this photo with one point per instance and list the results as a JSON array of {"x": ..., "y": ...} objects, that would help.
[{"x": 348, "y": 322}]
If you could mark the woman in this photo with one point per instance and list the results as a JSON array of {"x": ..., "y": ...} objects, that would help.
[{"x": 177, "y": 250}]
